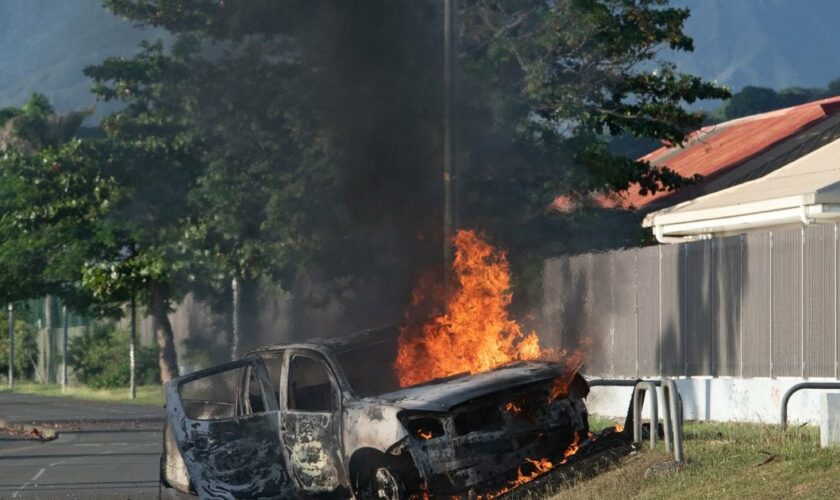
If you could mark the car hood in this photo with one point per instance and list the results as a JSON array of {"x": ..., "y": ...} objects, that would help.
[{"x": 443, "y": 395}]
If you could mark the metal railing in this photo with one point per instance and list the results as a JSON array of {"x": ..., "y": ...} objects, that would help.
[
  {"x": 638, "y": 389},
  {"x": 672, "y": 418},
  {"x": 798, "y": 387}
]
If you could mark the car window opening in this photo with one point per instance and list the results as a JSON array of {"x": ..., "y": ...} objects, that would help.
[{"x": 310, "y": 387}]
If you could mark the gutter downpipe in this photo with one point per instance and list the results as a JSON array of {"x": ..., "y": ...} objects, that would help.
[
  {"x": 803, "y": 215},
  {"x": 661, "y": 238}
]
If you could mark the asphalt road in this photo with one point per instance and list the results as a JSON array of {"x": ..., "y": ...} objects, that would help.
[
  {"x": 32, "y": 408},
  {"x": 103, "y": 450},
  {"x": 89, "y": 464}
]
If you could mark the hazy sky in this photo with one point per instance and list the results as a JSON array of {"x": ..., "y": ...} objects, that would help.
[{"x": 44, "y": 44}]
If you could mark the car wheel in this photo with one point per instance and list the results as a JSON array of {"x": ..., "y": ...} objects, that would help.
[
  {"x": 381, "y": 482},
  {"x": 388, "y": 484}
]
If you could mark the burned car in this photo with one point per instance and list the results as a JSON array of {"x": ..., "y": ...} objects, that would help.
[{"x": 327, "y": 418}]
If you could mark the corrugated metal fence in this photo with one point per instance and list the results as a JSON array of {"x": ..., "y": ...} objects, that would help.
[{"x": 757, "y": 305}]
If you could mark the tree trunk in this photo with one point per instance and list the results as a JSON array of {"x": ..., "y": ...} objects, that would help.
[{"x": 167, "y": 358}]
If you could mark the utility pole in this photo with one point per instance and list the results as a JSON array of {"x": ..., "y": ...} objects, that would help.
[
  {"x": 11, "y": 346},
  {"x": 132, "y": 384},
  {"x": 64, "y": 349},
  {"x": 236, "y": 293},
  {"x": 450, "y": 33}
]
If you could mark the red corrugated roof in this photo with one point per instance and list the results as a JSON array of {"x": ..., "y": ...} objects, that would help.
[{"x": 714, "y": 149}]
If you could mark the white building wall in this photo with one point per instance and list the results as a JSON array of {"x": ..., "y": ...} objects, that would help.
[{"x": 722, "y": 400}]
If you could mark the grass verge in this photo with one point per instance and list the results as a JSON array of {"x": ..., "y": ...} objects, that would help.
[
  {"x": 725, "y": 460},
  {"x": 146, "y": 394}
]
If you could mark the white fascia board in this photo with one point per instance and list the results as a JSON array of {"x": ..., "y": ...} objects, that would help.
[
  {"x": 664, "y": 217},
  {"x": 775, "y": 218}
]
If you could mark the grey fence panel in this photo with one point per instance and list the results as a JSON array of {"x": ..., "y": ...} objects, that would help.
[
  {"x": 763, "y": 304},
  {"x": 836, "y": 283},
  {"x": 556, "y": 277},
  {"x": 624, "y": 313},
  {"x": 602, "y": 327},
  {"x": 728, "y": 292},
  {"x": 647, "y": 321},
  {"x": 569, "y": 317},
  {"x": 786, "y": 306},
  {"x": 700, "y": 307},
  {"x": 755, "y": 305},
  {"x": 819, "y": 301},
  {"x": 671, "y": 344}
]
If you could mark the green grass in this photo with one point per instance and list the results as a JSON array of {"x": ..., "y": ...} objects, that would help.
[
  {"x": 146, "y": 394},
  {"x": 725, "y": 460}
]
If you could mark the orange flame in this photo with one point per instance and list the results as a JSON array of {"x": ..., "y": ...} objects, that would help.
[
  {"x": 619, "y": 428},
  {"x": 573, "y": 448},
  {"x": 472, "y": 332},
  {"x": 513, "y": 407},
  {"x": 540, "y": 467},
  {"x": 424, "y": 434}
]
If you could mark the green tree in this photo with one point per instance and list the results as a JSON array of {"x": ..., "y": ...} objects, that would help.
[
  {"x": 100, "y": 360},
  {"x": 42, "y": 205},
  {"x": 317, "y": 124},
  {"x": 152, "y": 154},
  {"x": 26, "y": 348},
  {"x": 36, "y": 126}
]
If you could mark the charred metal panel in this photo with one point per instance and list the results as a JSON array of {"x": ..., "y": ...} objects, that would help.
[
  {"x": 623, "y": 316},
  {"x": 647, "y": 300},
  {"x": 728, "y": 293},
  {"x": 444, "y": 394},
  {"x": 312, "y": 445},
  {"x": 755, "y": 303},
  {"x": 787, "y": 303},
  {"x": 486, "y": 440},
  {"x": 173, "y": 469},
  {"x": 819, "y": 301},
  {"x": 236, "y": 457},
  {"x": 368, "y": 424}
]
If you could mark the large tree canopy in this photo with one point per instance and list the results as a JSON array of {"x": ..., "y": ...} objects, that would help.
[{"x": 276, "y": 139}]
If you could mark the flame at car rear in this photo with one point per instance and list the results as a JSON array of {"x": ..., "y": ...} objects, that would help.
[
  {"x": 537, "y": 468},
  {"x": 471, "y": 332}
]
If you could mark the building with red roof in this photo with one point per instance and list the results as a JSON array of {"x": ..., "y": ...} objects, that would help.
[{"x": 736, "y": 151}]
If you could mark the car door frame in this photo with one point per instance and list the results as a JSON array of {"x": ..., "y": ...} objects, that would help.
[
  {"x": 207, "y": 444},
  {"x": 337, "y": 421}
]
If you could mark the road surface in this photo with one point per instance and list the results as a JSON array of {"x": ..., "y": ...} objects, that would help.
[
  {"x": 103, "y": 450},
  {"x": 87, "y": 464}
]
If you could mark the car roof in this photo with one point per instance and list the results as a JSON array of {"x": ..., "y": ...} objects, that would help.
[{"x": 338, "y": 344}]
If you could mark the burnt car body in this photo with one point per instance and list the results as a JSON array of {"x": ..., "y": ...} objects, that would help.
[{"x": 327, "y": 418}]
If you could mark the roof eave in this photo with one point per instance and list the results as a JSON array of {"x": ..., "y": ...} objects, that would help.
[{"x": 733, "y": 223}]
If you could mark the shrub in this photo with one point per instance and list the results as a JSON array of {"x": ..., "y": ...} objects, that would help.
[
  {"x": 100, "y": 358},
  {"x": 26, "y": 348}
]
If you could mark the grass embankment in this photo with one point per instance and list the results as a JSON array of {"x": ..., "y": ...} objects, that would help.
[
  {"x": 725, "y": 460},
  {"x": 146, "y": 394}
]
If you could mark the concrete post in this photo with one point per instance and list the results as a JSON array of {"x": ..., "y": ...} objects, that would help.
[{"x": 830, "y": 420}]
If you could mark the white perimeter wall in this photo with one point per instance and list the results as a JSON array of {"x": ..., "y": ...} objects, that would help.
[{"x": 722, "y": 399}]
